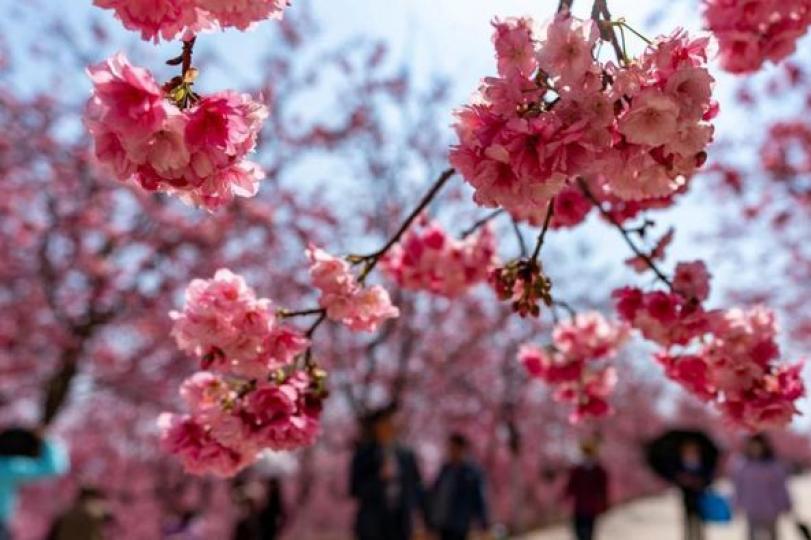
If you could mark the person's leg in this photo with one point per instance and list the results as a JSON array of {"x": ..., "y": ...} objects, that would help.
[
  {"x": 688, "y": 525},
  {"x": 589, "y": 527},
  {"x": 693, "y": 527},
  {"x": 583, "y": 527},
  {"x": 752, "y": 528}
]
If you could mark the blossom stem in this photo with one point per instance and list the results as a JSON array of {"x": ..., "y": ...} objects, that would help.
[
  {"x": 626, "y": 235},
  {"x": 285, "y": 314},
  {"x": 316, "y": 324},
  {"x": 602, "y": 17},
  {"x": 622, "y": 24},
  {"x": 481, "y": 222},
  {"x": 566, "y": 306},
  {"x": 550, "y": 209},
  {"x": 522, "y": 245},
  {"x": 372, "y": 259},
  {"x": 565, "y": 5},
  {"x": 188, "y": 52}
]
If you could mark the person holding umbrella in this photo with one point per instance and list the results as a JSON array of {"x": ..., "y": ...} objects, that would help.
[{"x": 686, "y": 459}]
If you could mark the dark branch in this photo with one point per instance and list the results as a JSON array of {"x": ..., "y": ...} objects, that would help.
[
  {"x": 481, "y": 223},
  {"x": 550, "y": 209},
  {"x": 626, "y": 235},
  {"x": 372, "y": 259}
]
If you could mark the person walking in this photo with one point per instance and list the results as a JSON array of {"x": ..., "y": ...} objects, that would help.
[
  {"x": 760, "y": 486},
  {"x": 385, "y": 481},
  {"x": 587, "y": 487},
  {"x": 692, "y": 476},
  {"x": 25, "y": 457},
  {"x": 263, "y": 513},
  {"x": 458, "y": 500}
]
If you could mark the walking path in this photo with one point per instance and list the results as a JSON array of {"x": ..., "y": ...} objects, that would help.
[{"x": 659, "y": 518}]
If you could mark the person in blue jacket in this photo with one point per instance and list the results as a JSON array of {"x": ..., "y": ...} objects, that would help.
[
  {"x": 458, "y": 498},
  {"x": 24, "y": 457}
]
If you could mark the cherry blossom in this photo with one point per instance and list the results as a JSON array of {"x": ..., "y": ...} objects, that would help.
[
  {"x": 528, "y": 135},
  {"x": 427, "y": 258},
  {"x": 752, "y": 32},
  {"x": 230, "y": 330},
  {"x": 345, "y": 300},
  {"x": 568, "y": 363},
  {"x": 168, "y": 19},
  {"x": 145, "y": 135},
  {"x": 725, "y": 357}
]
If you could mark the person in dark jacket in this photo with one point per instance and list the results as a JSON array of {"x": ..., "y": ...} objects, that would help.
[
  {"x": 263, "y": 510},
  {"x": 385, "y": 480},
  {"x": 692, "y": 477},
  {"x": 587, "y": 487},
  {"x": 458, "y": 498}
]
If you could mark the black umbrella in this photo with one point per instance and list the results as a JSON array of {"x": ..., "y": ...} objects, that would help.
[{"x": 664, "y": 453}]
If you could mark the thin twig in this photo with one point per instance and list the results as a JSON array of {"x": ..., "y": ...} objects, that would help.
[
  {"x": 625, "y": 235},
  {"x": 550, "y": 209},
  {"x": 565, "y": 5},
  {"x": 188, "y": 52},
  {"x": 285, "y": 314},
  {"x": 372, "y": 259},
  {"x": 480, "y": 223},
  {"x": 565, "y": 306},
  {"x": 522, "y": 245}
]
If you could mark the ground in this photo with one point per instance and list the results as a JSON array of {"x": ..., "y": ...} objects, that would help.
[{"x": 659, "y": 518}]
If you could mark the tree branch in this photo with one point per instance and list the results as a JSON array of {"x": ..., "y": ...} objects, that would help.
[
  {"x": 481, "y": 222},
  {"x": 550, "y": 209},
  {"x": 602, "y": 17},
  {"x": 625, "y": 235},
  {"x": 372, "y": 259}
]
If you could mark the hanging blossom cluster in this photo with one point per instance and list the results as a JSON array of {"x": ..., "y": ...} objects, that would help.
[
  {"x": 169, "y": 139},
  {"x": 574, "y": 364},
  {"x": 250, "y": 396},
  {"x": 726, "y": 357},
  {"x": 429, "y": 259},
  {"x": 344, "y": 298},
  {"x": 752, "y": 32},
  {"x": 169, "y": 19},
  {"x": 555, "y": 114}
]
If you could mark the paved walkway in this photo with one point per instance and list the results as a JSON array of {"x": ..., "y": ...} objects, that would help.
[{"x": 659, "y": 518}]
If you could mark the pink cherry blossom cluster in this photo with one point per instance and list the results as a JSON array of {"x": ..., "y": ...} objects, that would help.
[
  {"x": 568, "y": 363},
  {"x": 555, "y": 114},
  {"x": 230, "y": 425},
  {"x": 231, "y": 331},
  {"x": 751, "y": 32},
  {"x": 344, "y": 298},
  {"x": 727, "y": 357},
  {"x": 735, "y": 368},
  {"x": 197, "y": 152},
  {"x": 669, "y": 318},
  {"x": 249, "y": 397},
  {"x": 168, "y": 19},
  {"x": 429, "y": 259}
]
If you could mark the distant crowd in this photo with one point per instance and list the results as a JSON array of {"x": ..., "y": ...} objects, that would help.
[{"x": 391, "y": 494}]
